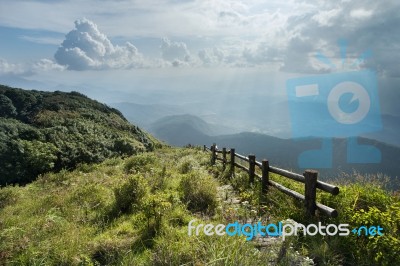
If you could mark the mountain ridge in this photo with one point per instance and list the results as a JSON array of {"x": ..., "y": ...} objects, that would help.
[
  {"x": 48, "y": 131},
  {"x": 284, "y": 152}
]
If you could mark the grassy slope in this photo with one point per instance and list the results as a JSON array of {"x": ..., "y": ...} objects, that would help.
[
  {"x": 130, "y": 212},
  {"x": 135, "y": 211}
]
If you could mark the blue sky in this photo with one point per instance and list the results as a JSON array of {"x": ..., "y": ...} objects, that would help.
[{"x": 120, "y": 50}]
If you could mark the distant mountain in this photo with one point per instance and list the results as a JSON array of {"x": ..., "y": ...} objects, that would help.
[
  {"x": 390, "y": 131},
  {"x": 145, "y": 114},
  {"x": 284, "y": 153},
  {"x": 180, "y": 130},
  {"x": 185, "y": 129},
  {"x": 48, "y": 131}
]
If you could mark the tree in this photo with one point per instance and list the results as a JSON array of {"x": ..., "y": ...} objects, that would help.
[{"x": 7, "y": 109}]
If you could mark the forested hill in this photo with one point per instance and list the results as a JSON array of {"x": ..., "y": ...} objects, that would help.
[{"x": 48, "y": 131}]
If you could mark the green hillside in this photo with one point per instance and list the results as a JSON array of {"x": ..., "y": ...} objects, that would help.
[
  {"x": 136, "y": 211},
  {"x": 121, "y": 212},
  {"x": 49, "y": 131}
]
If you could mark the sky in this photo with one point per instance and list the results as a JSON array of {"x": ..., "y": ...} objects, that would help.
[{"x": 178, "y": 51}]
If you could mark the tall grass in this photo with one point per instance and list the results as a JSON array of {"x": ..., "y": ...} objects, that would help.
[{"x": 135, "y": 211}]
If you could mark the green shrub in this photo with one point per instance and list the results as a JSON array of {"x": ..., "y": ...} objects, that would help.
[
  {"x": 95, "y": 201},
  {"x": 160, "y": 179},
  {"x": 140, "y": 163},
  {"x": 187, "y": 164},
  {"x": 199, "y": 192},
  {"x": 130, "y": 193},
  {"x": 240, "y": 181},
  {"x": 382, "y": 250},
  {"x": 366, "y": 204},
  {"x": 8, "y": 196}
]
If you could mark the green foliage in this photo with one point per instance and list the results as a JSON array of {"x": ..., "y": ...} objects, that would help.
[
  {"x": 139, "y": 164},
  {"x": 8, "y": 196},
  {"x": 135, "y": 211},
  {"x": 199, "y": 192},
  {"x": 7, "y": 108},
  {"x": 49, "y": 131},
  {"x": 362, "y": 204},
  {"x": 187, "y": 164},
  {"x": 23, "y": 160},
  {"x": 130, "y": 193},
  {"x": 100, "y": 214},
  {"x": 38, "y": 155},
  {"x": 154, "y": 208},
  {"x": 178, "y": 248},
  {"x": 240, "y": 181}
]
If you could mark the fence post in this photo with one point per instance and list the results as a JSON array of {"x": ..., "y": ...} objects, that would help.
[
  {"x": 252, "y": 167},
  {"x": 223, "y": 157},
  {"x": 265, "y": 176},
  {"x": 311, "y": 177},
  {"x": 204, "y": 147},
  {"x": 213, "y": 157},
  {"x": 232, "y": 162}
]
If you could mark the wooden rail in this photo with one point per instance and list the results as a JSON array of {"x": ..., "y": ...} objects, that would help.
[{"x": 309, "y": 179}]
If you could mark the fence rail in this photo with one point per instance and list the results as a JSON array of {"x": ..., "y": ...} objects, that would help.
[{"x": 309, "y": 179}]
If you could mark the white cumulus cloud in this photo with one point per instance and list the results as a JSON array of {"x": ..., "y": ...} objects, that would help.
[
  {"x": 85, "y": 48},
  {"x": 175, "y": 52},
  {"x": 46, "y": 65},
  {"x": 28, "y": 69},
  {"x": 7, "y": 68},
  {"x": 211, "y": 56}
]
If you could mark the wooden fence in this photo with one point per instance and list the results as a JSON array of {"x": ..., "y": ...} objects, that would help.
[{"x": 309, "y": 179}]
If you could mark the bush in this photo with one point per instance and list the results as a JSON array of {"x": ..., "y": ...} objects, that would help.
[
  {"x": 8, "y": 196},
  {"x": 141, "y": 163},
  {"x": 130, "y": 193},
  {"x": 199, "y": 192},
  {"x": 364, "y": 204},
  {"x": 187, "y": 164},
  {"x": 240, "y": 181}
]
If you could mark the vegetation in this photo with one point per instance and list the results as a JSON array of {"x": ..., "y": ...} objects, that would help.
[
  {"x": 118, "y": 213},
  {"x": 135, "y": 211},
  {"x": 101, "y": 199},
  {"x": 49, "y": 131},
  {"x": 362, "y": 202}
]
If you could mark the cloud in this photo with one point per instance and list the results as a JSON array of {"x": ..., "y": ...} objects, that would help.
[
  {"x": 41, "y": 40},
  {"x": 248, "y": 33},
  {"x": 361, "y": 13},
  {"x": 211, "y": 57},
  {"x": 28, "y": 69},
  {"x": 326, "y": 17},
  {"x": 365, "y": 25},
  {"x": 7, "y": 68},
  {"x": 175, "y": 52},
  {"x": 86, "y": 48},
  {"x": 263, "y": 53},
  {"x": 46, "y": 65}
]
